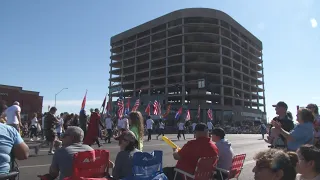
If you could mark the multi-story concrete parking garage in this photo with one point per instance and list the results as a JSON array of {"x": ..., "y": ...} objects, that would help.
[{"x": 192, "y": 57}]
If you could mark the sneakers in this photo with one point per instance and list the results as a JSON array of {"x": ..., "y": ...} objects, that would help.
[{"x": 51, "y": 153}]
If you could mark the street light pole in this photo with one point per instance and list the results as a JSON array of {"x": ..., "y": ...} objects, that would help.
[{"x": 55, "y": 97}]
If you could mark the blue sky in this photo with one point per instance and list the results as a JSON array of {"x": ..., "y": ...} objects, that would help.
[{"x": 48, "y": 45}]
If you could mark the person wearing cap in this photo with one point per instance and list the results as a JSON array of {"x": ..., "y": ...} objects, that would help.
[
  {"x": 123, "y": 164},
  {"x": 286, "y": 122},
  {"x": 315, "y": 110},
  {"x": 63, "y": 157},
  {"x": 301, "y": 134},
  {"x": 13, "y": 116},
  {"x": 190, "y": 153},
  {"x": 225, "y": 150}
]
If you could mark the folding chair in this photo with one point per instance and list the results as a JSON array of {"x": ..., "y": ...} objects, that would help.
[
  {"x": 90, "y": 165},
  {"x": 204, "y": 169},
  {"x": 236, "y": 168},
  {"x": 147, "y": 166},
  {"x": 14, "y": 170}
]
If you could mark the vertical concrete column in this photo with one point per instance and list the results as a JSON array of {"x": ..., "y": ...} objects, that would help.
[
  {"x": 264, "y": 97},
  {"x": 122, "y": 67},
  {"x": 150, "y": 57},
  {"x": 183, "y": 88},
  {"x": 232, "y": 81},
  {"x": 221, "y": 68},
  {"x": 135, "y": 69},
  {"x": 166, "y": 85}
]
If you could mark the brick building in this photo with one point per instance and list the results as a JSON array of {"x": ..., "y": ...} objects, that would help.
[{"x": 30, "y": 101}]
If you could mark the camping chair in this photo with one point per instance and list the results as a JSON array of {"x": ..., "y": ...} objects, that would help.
[
  {"x": 147, "y": 166},
  {"x": 90, "y": 165},
  {"x": 14, "y": 170},
  {"x": 204, "y": 169},
  {"x": 236, "y": 168}
]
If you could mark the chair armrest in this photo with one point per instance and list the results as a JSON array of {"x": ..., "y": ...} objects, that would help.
[
  {"x": 183, "y": 172},
  {"x": 12, "y": 174},
  {"x": 223, "y": 170}
]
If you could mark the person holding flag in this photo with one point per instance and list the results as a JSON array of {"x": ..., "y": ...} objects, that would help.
[
  {"x": 209, "y": 123},
  {"x": 93, "y": 129}
]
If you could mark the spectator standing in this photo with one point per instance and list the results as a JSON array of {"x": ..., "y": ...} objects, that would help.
[{"x": 308, "y": 165}]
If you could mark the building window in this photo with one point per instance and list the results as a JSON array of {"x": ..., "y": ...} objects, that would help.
[{"x": 228, "y": 117}]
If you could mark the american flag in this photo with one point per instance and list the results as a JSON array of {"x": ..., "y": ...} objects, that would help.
[
  {"x": 155, "y": 107},
  {"x": 209, "y": 112},
  {"x": 159, "y": 108},
  {"x": 136, "y": 105},
  {"x": 188, "y": 115},
  {"x": 198, "y": 115},
  {"x": 121, "y": 107}
]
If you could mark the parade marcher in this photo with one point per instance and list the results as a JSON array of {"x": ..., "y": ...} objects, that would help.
[
  {"x": 83, "y": 121},
  {"x": 181, "y": 130},
  {"x": 108, "y": 122},
  {"x": 13, "y": 115},
  {"x": 93, "y": 129},
  {"x": 210, "y": 126},
  {"x": 59, "y": 126},
  {"x": 263, "y": 129},
  {"x": 193, "y": 127},
  {"x": 149, "y": 123},
  {"x": 34, "y": 127},
  {"x": 50, "y": 128},
  {"x": 125, "y": 123},
  {"x": 161, "y": 128}
]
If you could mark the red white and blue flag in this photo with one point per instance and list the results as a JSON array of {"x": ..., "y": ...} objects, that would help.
[
  {"x": 178, "y": 114},
  {"x": 120, "y": 108},
  {"x": 188, "y": 115},
  {"x": 209, "y": 112},
  {"x": 155, "y": 107},
  {"x": 136, "y": 105},
  {"x": 148, "y": 109},
  {"x": 83, "y": 105},
  {"x": 127, "y": 110}
]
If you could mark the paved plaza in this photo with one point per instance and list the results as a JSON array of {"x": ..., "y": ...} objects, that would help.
[{"x": 241, "y": 143}]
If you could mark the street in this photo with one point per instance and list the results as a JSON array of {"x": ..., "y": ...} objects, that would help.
[{"x": 241, "y": 143}]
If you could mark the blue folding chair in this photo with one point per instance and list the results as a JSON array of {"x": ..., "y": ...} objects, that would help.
[{"x": 147, "y": 166}]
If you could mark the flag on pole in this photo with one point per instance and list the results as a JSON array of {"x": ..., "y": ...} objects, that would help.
[
  {"x": 155, "y": 107},
  {"x": 168, "y": 111},
  {"x": 148, "y": 109},
  {"x": 104, "y": 102},
  {"x": 136, "y": 105},
  {"x": 209, "y": 112},
  {"x": 127, "y": 110},
  {"x": 198, "y": 115},
  {"x": 120, "y": 108},
  {"x": 188, "y": 115},
  {"x": 108, "y": 108},
  {"x": 179, "y": 112},
  {"x": 83, "y": 105}
]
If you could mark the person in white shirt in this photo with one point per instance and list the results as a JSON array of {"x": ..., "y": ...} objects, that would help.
[
  {"x": 13, "y": 116},
  {"x": 59, "y": 126},
  {"x": 210, "y": 126},
  {"x": 34, "y": 127},
  {"x": 125, "y": 123},
  {"x": 181, "y": 130},
  {"x": 108, "y": 122},
  {"x": 193, "y": 127},
  {"x": 161, "y": 128},
  {"x": 149, "y": 123}
]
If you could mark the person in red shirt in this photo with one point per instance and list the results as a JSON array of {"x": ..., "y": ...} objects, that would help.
[
  {"x": 189, "y": 154},
  {"x": 93, "y": 129}
]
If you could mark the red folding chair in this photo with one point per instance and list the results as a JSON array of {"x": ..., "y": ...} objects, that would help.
[
  {"x": 203, "y": 171},
  {"x": 90, "y": 165},
  {"x": 236, "y": 168}
]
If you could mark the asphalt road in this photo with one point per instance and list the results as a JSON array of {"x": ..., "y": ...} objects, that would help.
[{"x": 241, "y": 143}]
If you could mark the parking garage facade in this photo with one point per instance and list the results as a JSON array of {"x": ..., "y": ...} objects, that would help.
[{"x": 188, "y": 58}]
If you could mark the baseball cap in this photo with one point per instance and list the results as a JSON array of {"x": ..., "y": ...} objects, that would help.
[
  {"x": 281, "y": 104},
  {"x": 128, "y": 136},
  {"x": 201, "y": 127},
  {"x": 218, "y": 132}
]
